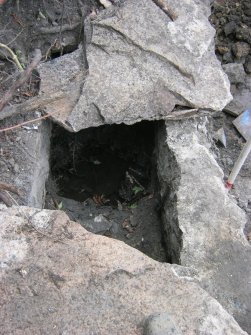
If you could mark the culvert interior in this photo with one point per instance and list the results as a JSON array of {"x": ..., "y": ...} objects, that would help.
[{"x": 105, "y": 178}]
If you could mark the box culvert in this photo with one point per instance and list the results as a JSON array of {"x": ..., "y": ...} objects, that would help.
[{"x": 106, "y": 178}]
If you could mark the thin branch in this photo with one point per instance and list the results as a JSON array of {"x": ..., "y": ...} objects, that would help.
[
  {"x": 9, "y": 43},
  {"x": 166, "y": 9},
  {"x": 42, "y": 100},
  {"x": 181, "y": 114},
  {"x": 5, "y": 198},
  {"x": 27, "y": 122},
  {"x": 60, "y": 32},
  {"x": 31, "y": 104},
  {"x": 7, "y": 187},
  {"x": 14, "y": 56},
  {"x": 55, "y": 30},
  {"x": 48, "y": 13},
  {"x": 24, "y": 76}
]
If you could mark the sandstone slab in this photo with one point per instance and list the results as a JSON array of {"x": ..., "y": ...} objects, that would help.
[
  {"x": 141, "y": 66},
  {"x": 56, "y": 278},
  {"x": 65, "y": 75},
  {"x": 203, "y": 224}
]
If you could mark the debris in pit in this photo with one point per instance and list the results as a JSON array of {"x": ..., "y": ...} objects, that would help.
[{"x": 105, "y": 179}]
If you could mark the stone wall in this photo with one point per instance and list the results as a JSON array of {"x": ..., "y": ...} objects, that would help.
[
  {"x": 169, "y": 179},
  {"x": 211, "y": 223}
]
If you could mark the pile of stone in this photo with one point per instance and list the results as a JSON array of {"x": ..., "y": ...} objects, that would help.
[{"x": 232, "y": 20}]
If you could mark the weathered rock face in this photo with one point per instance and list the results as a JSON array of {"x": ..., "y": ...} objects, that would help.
[
  {"x": 142, "y": 64},
  {"x": 64, "y": 74},
  {"x": 56, "y": 278},
  {"x": 235, "y": 72},
  {"x": 25, "y": 161},
  {"x": 202, "y": 223}
]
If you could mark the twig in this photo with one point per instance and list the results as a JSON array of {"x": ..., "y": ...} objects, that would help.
[
  {"x": 166, "y": 9},
  {"x": 9, "y": 43},
  {"x": 48, "y": 52},
  {"x": 47, "y": 13},
  {"x": 134, "y": 179},
  {"x": 21, "y": 211},
  {"x": 13, "y": 56},
  {"x": 24, "y": 76},
  {"x": 4, "y": 194},
  {"x": 7, "y": 187},
  {"x": 55, "y": 30},
  {"x": 42, "y": 100},
  {"x": 27, "y": 122},
  {"x": 13, "y": 199},
  {"x": 31, "y": 104},
  {"x": 60, "y": 32},
  {"x": 5, "y": 198},
  {"x": 181, "y": 114}
]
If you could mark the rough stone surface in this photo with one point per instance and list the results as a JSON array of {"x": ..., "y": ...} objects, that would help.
[
  {"x": 235, "y": 72},
  {"x": 243, "y": 34},
  {"x": 141, "y": 66},
  {"x": 230, "y": 28},
  {"x": 99, "y": 225},
  {"x": 242, "y": 94},
  {"x": 160, "y": 324},
  {"x": 234, "y": 108},
  {"x": 25, "y": 161},
  {"x": 247, "y": 64},
  {"x": 64, "y": 74},
  {"x": 131, "y": 55},
  {"x": 241, "y": 49},
  {"x": 39, "y": 171},
  {"x": 56, "y": 278},
  {"x": 205, "y": 227}
]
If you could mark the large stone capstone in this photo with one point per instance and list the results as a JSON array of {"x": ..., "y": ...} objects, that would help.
[{"x": 141, "y": 65}]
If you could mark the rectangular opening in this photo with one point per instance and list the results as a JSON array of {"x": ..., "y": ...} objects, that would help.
[{"x": 106, "y": 179}]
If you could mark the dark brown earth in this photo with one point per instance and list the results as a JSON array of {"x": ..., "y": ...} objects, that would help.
[
  {"x": 54, "y": 27},
  {"x": 232, "y": 20}
]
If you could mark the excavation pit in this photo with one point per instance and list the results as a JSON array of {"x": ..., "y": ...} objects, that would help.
[{"x": 105, "y": 178}]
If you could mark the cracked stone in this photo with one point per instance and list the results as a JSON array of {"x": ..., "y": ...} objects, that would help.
[{"x": 141, "y": 66}]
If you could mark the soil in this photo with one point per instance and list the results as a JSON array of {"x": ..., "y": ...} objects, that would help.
[
  {"x": 232, "y": 21},
  {"x": 55, "y": 27}
]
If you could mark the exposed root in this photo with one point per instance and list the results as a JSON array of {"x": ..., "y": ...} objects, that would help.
[
  {"x": 24, "y": 76},
  {"x": 13, "y": 56}
]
